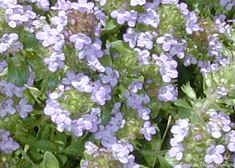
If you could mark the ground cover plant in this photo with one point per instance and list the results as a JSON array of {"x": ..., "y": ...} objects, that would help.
[{"x": 117, "y": 83}]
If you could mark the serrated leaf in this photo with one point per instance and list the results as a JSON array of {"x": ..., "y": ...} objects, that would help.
[{"x": 188, "y": 90}]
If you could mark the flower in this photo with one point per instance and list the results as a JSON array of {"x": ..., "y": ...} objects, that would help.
[
  {"x": 168, "y": 67},
  {"x": 7, "y": 144},
  {"x": 168, "y": 93},
  {"x": 137, "y": 2},
  {"x": 121, "y": 151},
  {"x": 215, "y": 154},
  {"x": 123, "y": 16},
  {"x": 100, "y": 93},
  {"x": 23, "y": 108},
  {"x": 148, "y": 130},
  {"x": 150, "y": 18},
  {"x": 7, "y": 108}
]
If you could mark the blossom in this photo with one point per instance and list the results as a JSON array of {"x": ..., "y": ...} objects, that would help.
[
  {"x": 169, "y": 1},
  {"x": 144, "y": 40},
  {"x": 9, "y": 43},
  {"x": 121, "y": 151},
  {"x": 191, "y": 23},
  {"x": 100, "y": 93},
  {"x": 228, "y": 4},
  {"x": 19, "y": 15},
  {"x": 215, "y": 154},
  {"x": 218, "y": 123},
  {"x": 131, "y": 37},
  {"x": 168, "y": 93},
  {"x": 82, "y": 83},
  {"x": 230, "y": 137},
  {"x": 55, "y": 61},
  {"x": 143, "y": 56},
  {"x": 7, "y": 144},
  {"x": 24, "y": 108},
  {"x": 7, "y": 108},
  {"x": 150, "y": 18},
  {"x": 148, "y": 130},
  {"x": 123, "y": 16},
  {"x": 168, "y": 67},
  {"x": 110, "y": 76},
  {"x": 137, "y": 2}
]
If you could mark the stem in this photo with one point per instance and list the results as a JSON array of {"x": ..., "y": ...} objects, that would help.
[{"x": 166, "y": 130}]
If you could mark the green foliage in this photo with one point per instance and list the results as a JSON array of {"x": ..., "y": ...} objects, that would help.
[{"x": 49, "y": 161}]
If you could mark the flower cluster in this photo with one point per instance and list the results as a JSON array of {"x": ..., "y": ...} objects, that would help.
[
  {"x": 218, "y": 127},
  {"x": 113, "y": 75},
  {"x": 7, "y": 144}
]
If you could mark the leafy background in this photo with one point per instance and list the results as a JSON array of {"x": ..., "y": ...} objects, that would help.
[{"x": 42, "y": 146}]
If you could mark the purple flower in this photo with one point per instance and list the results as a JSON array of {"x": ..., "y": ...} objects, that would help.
[
  {"x": 9, "y": 43},
  {"x": 9, "y": 89},
  {"x": 150, "y": 18},
  {"x": 19, "y": 15},
  {"x": 123, "y": 16},
  {"x": 143, "y": 56},
  {"x": 7, "y": 108},
  {"x": 228, "y": 4},
  {"x": 189, "y": 60},
  {"x": 7, "y": 144},
  {"x": 23, "y": 108},
  {"x": 49, "y": 36},
  {"x": 59, "y": 116},
  {"x": 214, "y": 46},
  {"x": 55, "y": 61},
  {"x": 183, "y": 8},
  {"x": 135, "y": 86},
  {"x": 168, "y": 67},
  {"x": 221, "y": 24},
  {"x": 121, "y": 150},
  {"x": 131, "y": 37},
  {"x": 7, "y": 3},
  {"x": 231, "y": 141},
  {"x": 101, "y": 93},
  {"x": 169, "y": 1},
  {"x": 191, "y": 23},
  {"x": 218, "y": 123},
  {"x": 3, "y": 65},
  {"x": 145, "y": 40},
  {"x": 82, "y": 83},
  {"x": 168, "y": 93},
  {"x": 148, "y": 130},
  {"x": 107, "y": 133},
  {"x": 172, "y": 46},
  {"x": 215, "y": 154},
  {"x": 137, "y": 2},
  {"x": 110, "y": 77},
  {"x": 80, "y": 40}
]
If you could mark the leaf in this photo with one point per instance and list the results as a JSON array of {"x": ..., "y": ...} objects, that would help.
[
  {"x": 76, "y": 148},
  {"x": 44, "y": 145},
  {"x": 18, "y": 71},
  {"x": 49, "y": 161},
  {"x": 163, "y": 163},
  {"x": 188, "y": 90}
]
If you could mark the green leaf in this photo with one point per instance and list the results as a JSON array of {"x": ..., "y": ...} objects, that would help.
[
  {"x": 188, "y": 90},
  {"x": 76, "y": 148},
  {"x": 163, "y": 163},
  {"x": 49, "y": 161},
  {"x": 18, "y": 71}
]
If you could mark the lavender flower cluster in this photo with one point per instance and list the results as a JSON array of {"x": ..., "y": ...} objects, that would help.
[
  {"x": 7, "y": 144},
  {"x": 213, "y": 139},
  {"x": 78, "y": 32}
]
